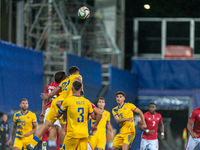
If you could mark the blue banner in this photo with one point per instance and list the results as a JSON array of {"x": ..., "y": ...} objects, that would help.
[
  {"x": 167, "y": 74},
  {"x": 121, "y": 80},
  {"x": 21, "y": 76}
]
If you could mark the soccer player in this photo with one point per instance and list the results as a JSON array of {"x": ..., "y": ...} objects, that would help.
[
  {"x": 25, "y": 122},
  {"x": 193, "y": 126},
  {"x": 78, "y": 108},
  {"x": 123, "y": 114},
  {"x": 149, "y": 137},
  {"x": 66, "y": 87},
  {"x": 98, "y": 139},
  {"x": 58, "y": 77}
]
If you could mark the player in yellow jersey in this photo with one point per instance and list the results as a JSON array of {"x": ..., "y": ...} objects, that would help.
[
  {"x": 66, "y": 90},
  {"x": 78, "y": 108},
  {"x": 25, "y": 122},
  {"x": 123, "y": 114},
  {"x": 98, "y": 139}
]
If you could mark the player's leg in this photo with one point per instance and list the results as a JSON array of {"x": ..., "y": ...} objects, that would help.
[
  {"x": 83, "y": 144},
  {"x": 70, "y": 143},
  {"x": 62, "y": 131},
  {"x": 18, "y": 144},
  {"x": 44, "y": 138},
  {"x": 117, "y": 142},
  {"x": 101, "y": 144},
  {"x": 46, "y": 133},
  {"x": 144, "y": 144},
  {"x": 58, "y": 127},
  {"x": 192, "y": 143},
  {"x": 93, "y": 141},
  {"x": 38, "y": 134},
  {"x": 153, "y": 144},
  {"x": 128, "y": 140}
]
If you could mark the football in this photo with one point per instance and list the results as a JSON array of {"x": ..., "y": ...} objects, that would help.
[{"x": 83, "y": 12}]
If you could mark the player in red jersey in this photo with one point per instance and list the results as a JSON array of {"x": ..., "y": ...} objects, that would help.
[
  {"x": 149, "y": 136},
  {"x": 58, "y": 77},
  {"x": 194, "y": 137}
]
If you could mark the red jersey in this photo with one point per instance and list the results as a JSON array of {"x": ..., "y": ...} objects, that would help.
[
  {"x": 195, "y": 117},
  {"x": 49, "y": 88},
  {"x": 152, "y": 122}
]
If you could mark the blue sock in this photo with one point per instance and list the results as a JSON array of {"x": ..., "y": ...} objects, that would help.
[
  {"x": 60, "y": 145},
  {"x": 36, "y": 138}
]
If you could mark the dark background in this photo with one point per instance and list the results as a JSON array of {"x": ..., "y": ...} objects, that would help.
[{"x": 158, "y": 8}]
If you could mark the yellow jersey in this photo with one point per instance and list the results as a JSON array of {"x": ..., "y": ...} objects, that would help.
[
  {"x": 78, "y": 109},
  {"x": 101, "y": 127},
  {"x": 125, "y": 111},
  {"x": 24, "y": 122},
  {"x": 66, "y": 85}
]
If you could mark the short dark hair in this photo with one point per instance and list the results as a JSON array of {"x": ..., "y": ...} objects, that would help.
[
  {"x": 59, "y": 76},
  {"x": 152, "y": 103},
  {"x": 120, "y": 92},
  {"x": 23, "y": 99},
  {"x": 4, "y": 114},
  {"x": 100, "y": 98},
  {"x": 73, "y": 69},
  {"x": 77, "y": 85}
]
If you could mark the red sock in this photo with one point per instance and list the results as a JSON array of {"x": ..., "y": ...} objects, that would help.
[
  {"x": 57, "y": 142},
  {"x": 45, "y": 135}
]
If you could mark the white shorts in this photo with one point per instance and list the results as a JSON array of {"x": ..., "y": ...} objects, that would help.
[
  {"x": 52, "y": 143},
  {"x": 192, "y": 143},
  {"x": 89, "y": 146},
  {"x": 149, "y": 144},
  {"x": 57, "y": 123}
]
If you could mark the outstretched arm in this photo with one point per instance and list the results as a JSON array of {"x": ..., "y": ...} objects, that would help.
[
  {"x": 96, "y": 115},
  {"x": 54, "y": 92},
  {"x": 97, "y": 112},
  {"x": 41, "y": 117},
  {"x": 140, "y": 127},
  {"x": 189, "y": 127},
  {"x": 13, "y": 130},
  {"x": 140, "y": 113}
]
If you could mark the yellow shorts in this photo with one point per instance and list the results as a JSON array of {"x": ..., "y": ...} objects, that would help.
[
  {"x": 20, "y": 143},
  {"x": 97, "y": 141},
  {"x": 120, "y": 139},
  {"x": 51, "y": 116},
  {"x": 71, "y": 143}
]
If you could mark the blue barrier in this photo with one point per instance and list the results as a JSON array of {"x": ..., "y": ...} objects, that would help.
[
  {"x": 21, "y": 75},
  {"x": 121, "y": 80},
  {"x": 91, "y": 73},
  {"x": 167, "y": 74}
]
